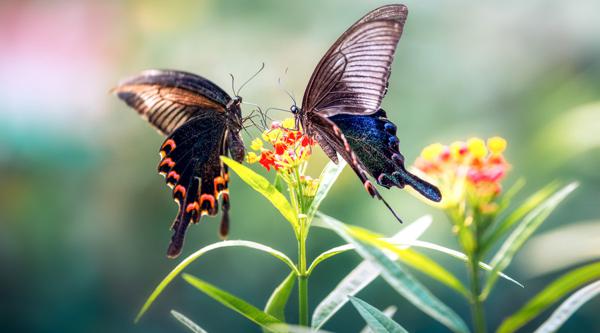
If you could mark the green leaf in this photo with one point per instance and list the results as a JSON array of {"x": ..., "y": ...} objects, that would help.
[
  {"x": 507, "y": 223},
  {"x": 261, "y": 185},
  {"x": 523, "y": 231},
  {"x": 400, "y": 280},
  {"x": 407, "y": 234},
  {"x": 328, "y": 177},
  {"x": 569, "y": 307},
  {"x": 279, "y": 298},
  {"x": 362, "y": 275},
  {"x": 552, "y": 293},
  {"x": 187, "y": 322},
  {"x": 414, "y": 259},
  {"x": 240, "y": 306},
  {"x": 458, "y": 255},
  {"x": 389, "y": 312},
  {"x": 191, "y": 258},
  {"x": 376, "y": 320}
]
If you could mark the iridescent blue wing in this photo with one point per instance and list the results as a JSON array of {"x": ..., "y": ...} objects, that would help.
[
  {"x": 193, "y": 112},
  {"x": 373, "y": 140}
]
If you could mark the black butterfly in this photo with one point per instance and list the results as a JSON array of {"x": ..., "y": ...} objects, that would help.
[
  {"x": 341, "y": 104},
  {"x": 201, "y": 123}
]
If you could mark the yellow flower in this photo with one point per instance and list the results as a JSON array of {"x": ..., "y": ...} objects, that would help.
[
  {"x": 431, "y": 152},
  {"x": 251, "y": 157},
  {"x": 256, "y": 144},
  {"x": 289, "y": 123},
  {"x": 457, "y": 148},
  {"x": 496, "y": 145},
  {"x": 477, "y": 147},
  {"x": 272, "y": 135}
]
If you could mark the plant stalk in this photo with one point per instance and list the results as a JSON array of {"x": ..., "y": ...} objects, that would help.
[
  {"x": 477, "y": 311},
  {"x": 302, "y": 278}
]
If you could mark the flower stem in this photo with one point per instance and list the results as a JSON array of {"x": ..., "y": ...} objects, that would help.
[
  {"x": 477, "y": 312},
  {"x": 302, "y": 278}
]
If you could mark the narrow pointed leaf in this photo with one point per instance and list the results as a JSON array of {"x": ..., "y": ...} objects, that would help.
[
  {"x": 569, "y": 307},
  {"x": 524, "y": 230},
  {"x": 191, "y": 258},
  {"x": 261, "y": 185},
  {"x": 187, "y": 322},
  {"x": 408, "y": 234},
  {"x": 389, "y": 312},
  {"x": 551, "y": 294},
  {"x": 459, "y": 255},
  {"x": 507, "y": 223},
  {"x": 362, "y": 275},
  {"x": 397, "y": 277},
  {"x": 238, "y": 305},
  {"x": 279, "y": 298},
  {"x": 327, "y": 179},
  {"x": 411, "y": 258},
  {"x": 375, "y": 319}
]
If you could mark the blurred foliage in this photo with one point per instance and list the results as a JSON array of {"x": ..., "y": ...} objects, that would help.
[{"x": 84, "y": 217}]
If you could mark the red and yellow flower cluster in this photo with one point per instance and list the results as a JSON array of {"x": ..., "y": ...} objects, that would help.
[
  {"x": 289, "y": 147},
  {"x": 471, "y": 168}
]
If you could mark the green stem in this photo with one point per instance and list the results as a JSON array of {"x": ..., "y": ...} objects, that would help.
[
  {"x": 477, "y": 311},
  {"x": 302, "y": 277}
]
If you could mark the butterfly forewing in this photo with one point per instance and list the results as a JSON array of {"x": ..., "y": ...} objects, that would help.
[
  {"x": 353, "y": 75},
  {"x": 167, "y": 98}
]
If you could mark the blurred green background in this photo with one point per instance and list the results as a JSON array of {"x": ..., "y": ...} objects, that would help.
[{"x": 84, "y": 218}]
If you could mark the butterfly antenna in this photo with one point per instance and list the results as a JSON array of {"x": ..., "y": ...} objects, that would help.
[
  {"x": 278, "y": 109},
  {"x": 262, "y": 66},
  {"x": 389, "y": 207},
  {"x": 232, "y": 83},
  {"x": 291, "y": 95}
]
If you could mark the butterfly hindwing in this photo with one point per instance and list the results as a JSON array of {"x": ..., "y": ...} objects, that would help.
[
  {"x": 373, "y": 139},
  {"x": 194, "y": 170}
]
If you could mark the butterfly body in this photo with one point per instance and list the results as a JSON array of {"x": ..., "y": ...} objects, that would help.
[
  {"x": 201, "y": 122},
  {"x": 341, "y": 107}
]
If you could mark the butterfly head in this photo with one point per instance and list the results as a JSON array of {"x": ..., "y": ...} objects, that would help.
[{"x": 295, "y": 110}]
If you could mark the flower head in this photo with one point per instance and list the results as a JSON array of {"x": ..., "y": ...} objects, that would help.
[
  {"x": 471, "y": 170},
  {"x": 281, "y": 148}
]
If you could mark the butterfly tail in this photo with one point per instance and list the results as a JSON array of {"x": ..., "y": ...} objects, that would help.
[
  {"x": 426, "y": 189},
  {"x": 179, "y": 228},
  {"x": 224, "y": 228}
]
